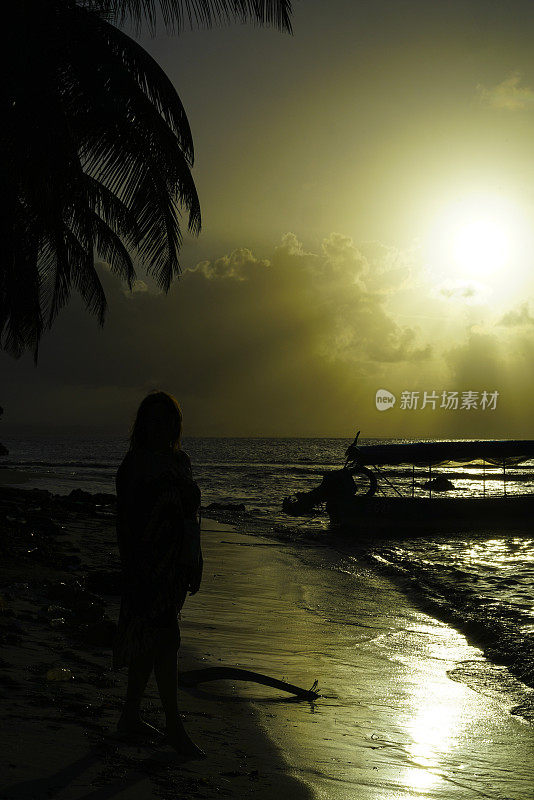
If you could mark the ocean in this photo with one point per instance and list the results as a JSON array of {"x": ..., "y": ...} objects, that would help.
[{"x": 483, "y": 583}]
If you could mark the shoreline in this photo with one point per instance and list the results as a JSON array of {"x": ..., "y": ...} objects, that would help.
[
  {"x": 390, "y": 721},
  {"x": 62, "y": 733},
  {"x": 490, "y": 636}
]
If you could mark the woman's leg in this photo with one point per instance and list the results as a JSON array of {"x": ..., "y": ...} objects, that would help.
[
  {"x": 165, "y": 669},
  {"x": 138, "y": 674}
]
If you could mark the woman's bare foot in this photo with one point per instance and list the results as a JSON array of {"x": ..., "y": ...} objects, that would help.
[{"x": 178, "y": 738}]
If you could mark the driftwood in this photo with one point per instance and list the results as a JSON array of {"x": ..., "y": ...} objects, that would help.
[{"x": 194, "y": 676}]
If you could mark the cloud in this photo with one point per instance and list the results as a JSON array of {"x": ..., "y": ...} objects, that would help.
[
  {"x": 508, "y": 94},
  {"x": 478, "y": 362},
  {"x": 287, "y": 343},
  {"x": 388, "y": 268},
  {"x": 517, "y": 317},
  {"x": 294, "y": 341},
  {"x": 239, "y": 265},
  {"x": 470, "y": 292},
  {"x": 340, "y": 255},
  {"x": 139, "y": 286},
  {"x": 485, "y": 361}
]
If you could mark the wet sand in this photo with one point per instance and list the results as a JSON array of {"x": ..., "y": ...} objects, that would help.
[
  {"x": 391, "y": 723},
  {"x": 58, "y": 737}
]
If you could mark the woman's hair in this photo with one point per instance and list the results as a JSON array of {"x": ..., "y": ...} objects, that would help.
[{"x": 138, "y": 435}]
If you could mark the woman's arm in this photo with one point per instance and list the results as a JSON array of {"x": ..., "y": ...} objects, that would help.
[{"x": 196, "y": 579}]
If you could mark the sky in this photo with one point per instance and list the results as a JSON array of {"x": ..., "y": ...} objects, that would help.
[{"x": 367, "y": 194}]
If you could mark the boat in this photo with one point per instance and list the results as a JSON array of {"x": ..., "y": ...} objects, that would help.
[{"x": 386, "y": 507}]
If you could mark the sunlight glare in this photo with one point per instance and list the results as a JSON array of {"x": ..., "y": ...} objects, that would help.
[
  {"x": 478, "y": 237},
  {"x": 481, "y": 246}
]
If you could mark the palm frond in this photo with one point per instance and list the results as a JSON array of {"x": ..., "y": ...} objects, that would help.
[
  {"x": 127, "y": 67},
  {"x": 180, "y": 14},
  {"x": 109, "y": 247},
  {"x": 21, "y": 319},
  {"x": 95, "y": 153},
  {"x": 112, "y": 211},
  {"x": 85, "y": 277},
  {"x": 161, "y": 243}
]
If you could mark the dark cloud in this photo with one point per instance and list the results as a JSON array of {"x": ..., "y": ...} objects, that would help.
[
  {"x": 517, "y": 317},
  {"x": 249, "y": 345},
  {"x": 508, "y": 95},
  {"x": 488, "y": 362}
]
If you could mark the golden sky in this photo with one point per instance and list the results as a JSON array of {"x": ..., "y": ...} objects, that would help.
[{"x": 367, "y": 189}]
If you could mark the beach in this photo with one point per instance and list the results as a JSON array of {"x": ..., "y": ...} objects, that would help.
[
  {"x": 267, "y": 266},
  {"x": 393, "y": 720}
]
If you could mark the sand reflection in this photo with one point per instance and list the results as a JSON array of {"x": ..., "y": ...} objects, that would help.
[
  {"x": 391, "y": 724},
  {"x": 435, "y": 724}
]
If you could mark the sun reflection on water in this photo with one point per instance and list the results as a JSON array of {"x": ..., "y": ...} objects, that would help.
[{"x": 438, "y": 713}]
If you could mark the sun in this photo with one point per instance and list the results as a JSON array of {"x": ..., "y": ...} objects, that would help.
[
  {"x": 481, "y": 246},
  {"x": 478, "y": 238}
]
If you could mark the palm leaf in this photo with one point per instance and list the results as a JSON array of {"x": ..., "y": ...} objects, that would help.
[
  {"x": 126, "y": 61},
  {"x": 180, "y": 14},
  {"x": 96, "y": 152}
]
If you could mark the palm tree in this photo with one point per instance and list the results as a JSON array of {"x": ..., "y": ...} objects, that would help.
[{"x": 96, "y": 152}]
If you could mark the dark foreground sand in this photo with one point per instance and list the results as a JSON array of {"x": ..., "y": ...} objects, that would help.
[{"x": 391, "y": 724}]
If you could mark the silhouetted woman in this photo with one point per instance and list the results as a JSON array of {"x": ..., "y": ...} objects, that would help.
[{"x": 157, "y": 506}]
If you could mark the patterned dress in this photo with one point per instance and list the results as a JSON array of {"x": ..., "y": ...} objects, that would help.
[{"x": 157, "y": 504}]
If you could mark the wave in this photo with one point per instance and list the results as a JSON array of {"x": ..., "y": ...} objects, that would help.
[
  {"x": 264, "y": 466},
  {"x": 78, "y": 464},
  {"x": 308, "y": 467},
  {"x": 504, "y": 633}
]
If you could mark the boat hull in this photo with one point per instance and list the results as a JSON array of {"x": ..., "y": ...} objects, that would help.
[{"x": 406, "y": 515}]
